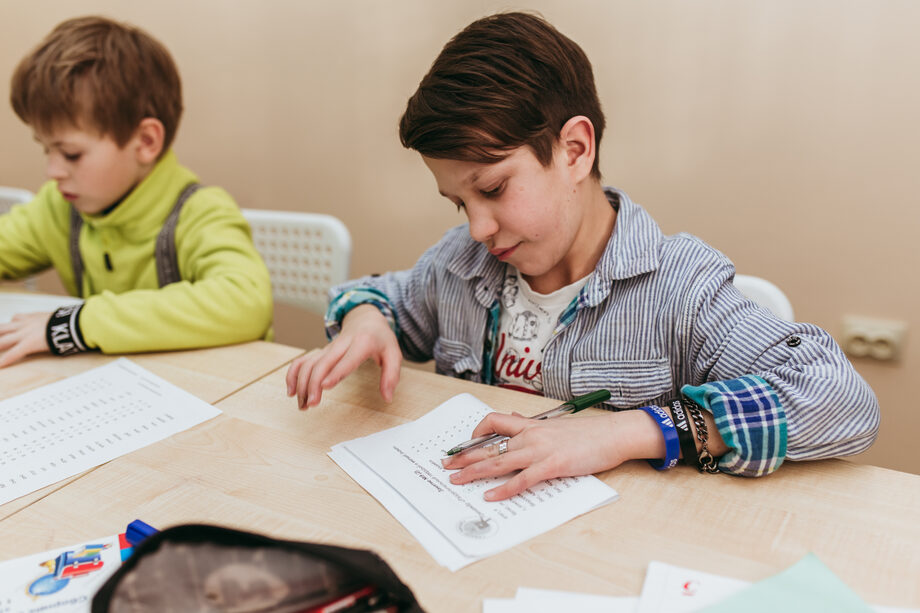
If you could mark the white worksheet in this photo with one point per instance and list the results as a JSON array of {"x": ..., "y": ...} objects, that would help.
[
  {"x": 533, "y": 600},
  {"x": 401, "y": 467},
  {"x": 64, "y": 428},
  {"x": 12, "y": 303},
  {"x": 674, "y": 589}
]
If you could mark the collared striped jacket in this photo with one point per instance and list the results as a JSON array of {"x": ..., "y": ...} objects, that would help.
[{"x": 658, "y": 315}]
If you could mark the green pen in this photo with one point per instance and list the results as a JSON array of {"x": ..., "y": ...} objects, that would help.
[{"x": 572, "y": 406}]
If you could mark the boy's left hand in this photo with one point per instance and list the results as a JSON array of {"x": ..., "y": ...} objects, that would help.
[
  {"x": 23, "y": 336},
  {"x": 551, "y": 448}
]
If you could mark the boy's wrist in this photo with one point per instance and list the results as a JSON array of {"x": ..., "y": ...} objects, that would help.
[
  {"x": 640, "y": 437},
  {"x": 63, "y": 331}
]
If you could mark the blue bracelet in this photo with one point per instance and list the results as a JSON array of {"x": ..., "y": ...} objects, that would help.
[{"x": 671, "y": 442}]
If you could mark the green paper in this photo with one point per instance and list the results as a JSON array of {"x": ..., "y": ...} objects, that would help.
[{"x": 806, "y": 586}]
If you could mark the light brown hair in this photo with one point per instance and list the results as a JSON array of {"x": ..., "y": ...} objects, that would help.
[
  {"x": 92, "y": 72},
  {"x": 504, "y": 81}
]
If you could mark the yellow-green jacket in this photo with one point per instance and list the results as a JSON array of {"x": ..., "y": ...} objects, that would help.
[{"x": 225, "y": 293}]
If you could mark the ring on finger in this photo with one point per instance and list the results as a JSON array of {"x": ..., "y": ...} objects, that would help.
[{"x": 503, "y": 446}]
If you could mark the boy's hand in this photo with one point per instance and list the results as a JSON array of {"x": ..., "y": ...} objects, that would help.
[
  {"x": 552, "y": 448},
  {"x": 23, "y": 336},
  {"x": 365, "y": 334}
]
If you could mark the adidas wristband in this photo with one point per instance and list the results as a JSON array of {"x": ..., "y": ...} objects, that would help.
[{"x": 684, "y": 433}]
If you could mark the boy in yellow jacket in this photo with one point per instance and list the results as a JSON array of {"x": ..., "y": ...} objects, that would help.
[{"x": 160, "y": 263}]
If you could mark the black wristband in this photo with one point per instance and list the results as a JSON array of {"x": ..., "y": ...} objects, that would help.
[
  {"x": 63, "y": 331},
  {"x": 705, "y": 461},
  {"x": 684, "y": 433}
]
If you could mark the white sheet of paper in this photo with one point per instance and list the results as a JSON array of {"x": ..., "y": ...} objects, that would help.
[
  {"x": 501, "y": 605},
  {"x": 63, "y": 579},
  {"x": 532, "y": 600},
  {"x": 12, "y": 303},
  {"x": 63, "y": 428},
  {"x": 673, "y": 589},
  {"x": 461, "y": 526},
  {"x": 551, "y": 601}
]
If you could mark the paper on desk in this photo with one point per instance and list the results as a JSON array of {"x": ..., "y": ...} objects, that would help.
[
  {"x": 806, "y": 586},
  {"x": 672, "y": 589},
  {"x": 12, "y": 303},
  {"x": 63, "y": 579},
  {"x": 401, "y": 467},
  {"x": 63, "y": 428},
  {"x": 532, "y": 600}
]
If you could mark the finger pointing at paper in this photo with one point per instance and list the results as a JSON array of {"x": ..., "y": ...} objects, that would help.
[{"x": 548, "y": 449}]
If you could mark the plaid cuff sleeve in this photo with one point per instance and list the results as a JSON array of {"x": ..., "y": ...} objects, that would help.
[
  {"x": 751, "y": 421},
  {"x": 347, "y": 300}
]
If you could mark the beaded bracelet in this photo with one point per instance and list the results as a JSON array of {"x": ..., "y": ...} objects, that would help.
[
  {"x": 705, "y": 461},
  {"x": 684, "y": 433},
  {"x": 671, "y": 444}
]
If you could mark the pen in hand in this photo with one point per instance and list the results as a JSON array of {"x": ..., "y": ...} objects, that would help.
[{"x": 572, "y": 406}]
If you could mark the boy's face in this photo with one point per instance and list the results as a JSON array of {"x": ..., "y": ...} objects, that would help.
[
  {"x": 524, "y": 212},
  {"x": 91, "y": 170}
]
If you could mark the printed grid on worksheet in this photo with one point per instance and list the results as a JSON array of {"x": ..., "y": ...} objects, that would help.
[{"x": 72, "y": 425}]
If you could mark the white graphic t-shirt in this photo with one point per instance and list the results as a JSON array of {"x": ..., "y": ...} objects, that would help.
[{"x": 525, "y": 326}]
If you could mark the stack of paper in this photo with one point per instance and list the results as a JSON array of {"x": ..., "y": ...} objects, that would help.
[
  {"x": 13, "y": 303},
  {"x": 530, "y": 600},
  {"x": 63, "y": 428},
  {"x": 806, "y": 586},
  {"x": 401, "y": 467}
]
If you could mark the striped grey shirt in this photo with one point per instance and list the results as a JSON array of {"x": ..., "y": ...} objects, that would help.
[{"x": 659, "y": 315}]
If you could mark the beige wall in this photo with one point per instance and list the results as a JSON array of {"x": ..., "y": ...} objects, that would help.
[{"x": 785, "y": 133}]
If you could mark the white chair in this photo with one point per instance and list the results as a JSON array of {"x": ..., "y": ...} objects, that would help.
[
  {"x": 13, "y": 195},
  {"x": 8, "y": 197},
  {"x": 766, "y": 295},
  {"x": 306, "y": 254}
]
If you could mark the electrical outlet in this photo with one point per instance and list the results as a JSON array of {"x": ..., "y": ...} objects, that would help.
[{"x": 868, "y": 337}]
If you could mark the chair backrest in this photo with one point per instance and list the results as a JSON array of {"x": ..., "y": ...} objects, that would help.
[
  {"x": 306, "y": 254},
  {"x": 13, "y": 195},
  {"x": 766, "y": 295},
  {"x": 8, "y": 197}
]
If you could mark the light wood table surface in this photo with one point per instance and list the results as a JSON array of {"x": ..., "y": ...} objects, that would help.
[
  {"x": 210, "y": 374},
  {"x": 262, "y": 466}
]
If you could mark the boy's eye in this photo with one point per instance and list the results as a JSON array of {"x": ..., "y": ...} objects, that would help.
[
  {"x": 72, "y": 157},
  {"x": 495, "y": 191}
]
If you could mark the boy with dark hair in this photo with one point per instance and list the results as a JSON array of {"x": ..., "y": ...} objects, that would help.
[
  {"x": 561, "y": 286},
  {"x": 161, "y": 263}
]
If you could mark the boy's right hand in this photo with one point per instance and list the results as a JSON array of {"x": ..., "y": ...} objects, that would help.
[{"x": 365, "y": 334}]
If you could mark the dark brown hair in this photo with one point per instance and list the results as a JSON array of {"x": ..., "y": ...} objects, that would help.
[
  {"x": 93, "y": 72},
  {"x": 504, "y": 81}
]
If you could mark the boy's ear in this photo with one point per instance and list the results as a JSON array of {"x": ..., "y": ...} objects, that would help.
[
  {"x": 577, "y": 142},
  {"x": 148, "y": 140}
]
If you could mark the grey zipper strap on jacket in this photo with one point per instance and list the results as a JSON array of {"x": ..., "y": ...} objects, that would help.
[
  {"x": 76, "y": 260},
  {"x": 165, "y": 253},
  {"x": 167, "y": 256}
]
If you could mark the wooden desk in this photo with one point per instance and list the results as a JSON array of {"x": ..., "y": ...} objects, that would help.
[
  {"x": 211, "y": 374},
  {"x": 262, "y": 466}
]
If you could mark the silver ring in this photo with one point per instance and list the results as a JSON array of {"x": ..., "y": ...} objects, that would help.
[{"x": 503, "y": 446}]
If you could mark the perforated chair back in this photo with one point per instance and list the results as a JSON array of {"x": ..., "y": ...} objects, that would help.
[
  {"x": 766, "y": 295},
  {"x": 8, "y": 197},
  {"x": 306, "y": 254},
  {"x": 13, "y": 195}
]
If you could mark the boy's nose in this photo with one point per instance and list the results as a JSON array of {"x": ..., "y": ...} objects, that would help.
[
  {"x": 55, "y": 169},
  {"x": 482, "y": 224}
]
